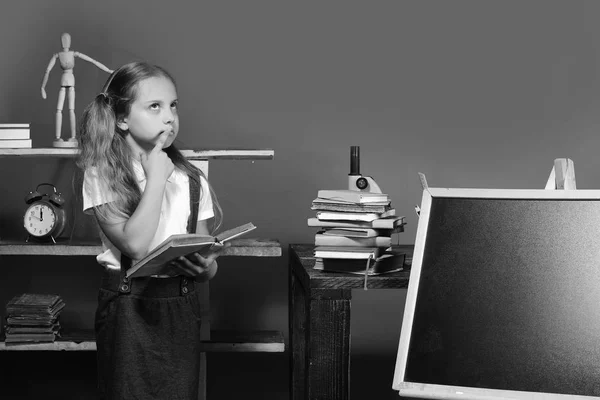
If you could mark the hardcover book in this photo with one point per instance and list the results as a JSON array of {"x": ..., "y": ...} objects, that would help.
[
  {"x": 389, "y": 222},
  {"x": 353, "y": 196},
  {"x": 374, "y": 241},
  {"x": 30, "y": 338},
  {"x": 20, "y": 329},
  {"x": 184, "y": 244},
  {"x": 15, "y": 144},
  {"x": 394, "y": 222},
  {"x": 31, "y": 321},
  {"x": 346, "y": 202},
  {"x": 353, "y": 216},
  {"x": 14, "y": 133},
  {"x": 390, "y": 261},
  {"x": 355, "y": 232},
  {"x": 35, "y": 300},
  {"x": 346, "y": 252},
  {"x": 318, "y": 205},
  {"x": 35, "y": 305},
  {"x": 15, "y": 125}
]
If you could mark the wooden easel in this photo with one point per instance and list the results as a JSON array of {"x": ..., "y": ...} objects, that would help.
[{"x": 562, "y": 176}]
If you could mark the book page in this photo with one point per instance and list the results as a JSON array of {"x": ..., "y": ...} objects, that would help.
[{"x": 235, "y": 232}]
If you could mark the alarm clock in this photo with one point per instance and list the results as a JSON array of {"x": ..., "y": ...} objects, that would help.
[{"x": 45, "y": 217}]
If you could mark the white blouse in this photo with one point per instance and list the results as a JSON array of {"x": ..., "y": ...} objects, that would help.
[{"x": 174, "y": 213}]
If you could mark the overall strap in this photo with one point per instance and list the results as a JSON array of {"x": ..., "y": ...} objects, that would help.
[
  {"x": 124, "y": 282},
  {"x": 194, "y": 203}
]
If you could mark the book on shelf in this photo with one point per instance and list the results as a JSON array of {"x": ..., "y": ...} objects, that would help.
[
  {"x": 350, "y": 207},
  {"x": 30, "y": 338},
  {"x": 353, "y": 216},
  {"x": 375, "y": 241},
  {"x": 15, "y": 144},
  {"x": 394, "y": 222},
  {"x": 34, "y": 305},
  {"x": 389, "y": 261},
  {"x": 10, "y": 125},
  {"x": 14, "y": 133},
  {"x": 155, "y": 263},
  {"x": 347, "y": 252},
  {"x": 53, "y": 328},
  {"x": 353, "y": 196},
  {"x": 33, "y": 317},
  {"x": 31, "y": 321}
]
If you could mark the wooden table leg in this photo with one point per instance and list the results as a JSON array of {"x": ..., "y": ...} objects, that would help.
[
  {"x": 319, "y": 338},
  {"x": 298, "y": 337},
  {"x": 329, "y": 344}
]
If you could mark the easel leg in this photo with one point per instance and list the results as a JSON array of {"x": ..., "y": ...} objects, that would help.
[{"x": 562, "y": 175}]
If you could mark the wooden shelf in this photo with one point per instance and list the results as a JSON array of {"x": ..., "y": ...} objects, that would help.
[
  {"x": 61, "y": 248},
  {"x": 244, "y": 342},
  {"x": 221, "y": 341},
  {"x": 239, "y": 247},
  {"x": 191, "y": 154}
]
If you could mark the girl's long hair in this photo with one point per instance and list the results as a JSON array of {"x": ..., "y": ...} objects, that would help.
[{"x": 105, "y": 152}]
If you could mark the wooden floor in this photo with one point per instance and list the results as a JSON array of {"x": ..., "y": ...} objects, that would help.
[{"x": 72, "y": 375}]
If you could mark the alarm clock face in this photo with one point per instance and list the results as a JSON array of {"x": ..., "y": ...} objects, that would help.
[{"x": 40, "y": 220}]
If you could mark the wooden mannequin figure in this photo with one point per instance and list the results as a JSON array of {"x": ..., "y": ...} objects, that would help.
[{"x": 66, "y": 59}]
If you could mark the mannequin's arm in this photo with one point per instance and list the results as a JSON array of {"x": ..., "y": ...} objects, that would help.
[
  {"x": 48, "y": 69},
  {"x": 91, "y": 60}
]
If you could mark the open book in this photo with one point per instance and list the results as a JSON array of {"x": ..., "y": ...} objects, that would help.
[{"x": 183, "y": 244}]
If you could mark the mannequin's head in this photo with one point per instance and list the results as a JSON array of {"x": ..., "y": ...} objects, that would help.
[{"x": 65, "y": 39}]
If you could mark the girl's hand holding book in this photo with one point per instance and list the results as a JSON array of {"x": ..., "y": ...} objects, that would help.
[{"x": 202, "y": 267}]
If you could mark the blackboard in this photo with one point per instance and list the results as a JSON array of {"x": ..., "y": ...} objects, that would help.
[{"x": 505, "y": 294}]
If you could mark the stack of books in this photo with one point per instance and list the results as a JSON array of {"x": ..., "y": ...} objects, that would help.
[
  {"x": 33, "y": 318},
  {"x": 15, "y": 136},
  {"x": 355, "y": 232}
]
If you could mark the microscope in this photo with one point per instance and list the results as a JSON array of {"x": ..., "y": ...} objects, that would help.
[{"x": 356, "y": 181}]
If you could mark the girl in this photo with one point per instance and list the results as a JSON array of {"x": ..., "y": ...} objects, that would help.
[{"x": 141, "y": 190}]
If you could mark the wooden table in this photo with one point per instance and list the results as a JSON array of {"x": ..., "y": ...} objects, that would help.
[{"x": 319, "y": 323}]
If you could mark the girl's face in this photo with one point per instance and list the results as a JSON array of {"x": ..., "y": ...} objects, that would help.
[{"x": 152, "y": 112}]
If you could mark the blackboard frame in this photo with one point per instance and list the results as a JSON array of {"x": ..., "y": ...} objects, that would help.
[{"x": 429, "y": 390}]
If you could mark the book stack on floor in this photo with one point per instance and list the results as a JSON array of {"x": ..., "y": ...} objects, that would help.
[
  {"x": 355, "y": 232},
  {"x": 33, "y": 318},
  {"x": 15, "y": 136}
]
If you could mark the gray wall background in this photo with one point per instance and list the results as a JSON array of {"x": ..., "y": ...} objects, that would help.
[{"x": 479, "y": 94}]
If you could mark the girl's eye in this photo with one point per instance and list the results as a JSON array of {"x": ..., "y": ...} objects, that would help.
[
  {"x": 154, "y": 106},
  {"x": 174, "y": 104}
]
